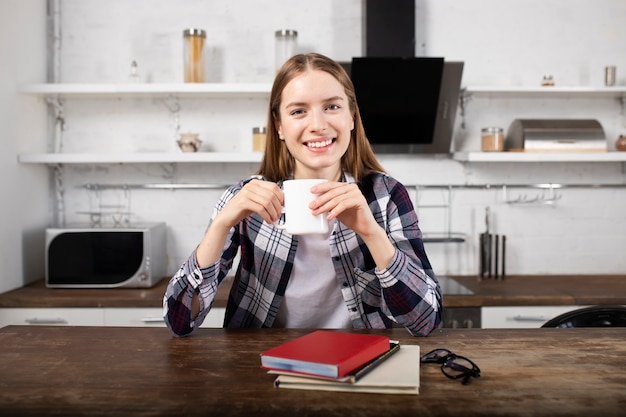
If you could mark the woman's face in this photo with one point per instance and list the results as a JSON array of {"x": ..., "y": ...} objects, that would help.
[{"x": 315, "y": 123}]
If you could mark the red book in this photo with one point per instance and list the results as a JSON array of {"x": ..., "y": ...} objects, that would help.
[{"x": 325, "y": 353}]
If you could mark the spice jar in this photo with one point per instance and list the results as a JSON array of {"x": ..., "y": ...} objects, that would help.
[
  {"x": 609, "y": 76},
  {"x": 259, "y": 134},
  {"x": 193, "y": 55},
  {"x": 547, "y": 81},
  {"x": 286, "y": 42},
  {"x": 492, "y": 139}
]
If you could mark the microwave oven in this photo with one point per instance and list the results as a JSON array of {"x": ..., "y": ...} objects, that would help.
[{"x": 105, "y": 257}]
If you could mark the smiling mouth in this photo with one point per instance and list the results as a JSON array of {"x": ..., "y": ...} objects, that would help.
[{"x": 319, "y": 144}]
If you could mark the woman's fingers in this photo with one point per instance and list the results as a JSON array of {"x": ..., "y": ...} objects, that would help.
[
  {"x": 262, "y": 197},
  {"x": 336, "y": 198}
]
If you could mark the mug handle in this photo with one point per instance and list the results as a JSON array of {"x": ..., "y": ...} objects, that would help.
[{"x": 278, "y": 224}]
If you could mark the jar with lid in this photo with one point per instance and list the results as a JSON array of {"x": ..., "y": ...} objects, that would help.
[
  {"x": 259, "y": 135},
  {"x": 193, "y": 55},
  {"x": 286, "y": 42},
  {"x": 547, "y": 81},
  {"x": 492, "y": 139},
  {"x": 620, "y": 143}
]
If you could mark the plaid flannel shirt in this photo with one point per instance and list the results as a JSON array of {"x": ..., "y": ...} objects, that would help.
[{"x": 406, "y": 292}]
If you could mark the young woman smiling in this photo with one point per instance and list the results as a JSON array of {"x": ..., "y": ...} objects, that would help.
[{"x": 369, "y": 271}]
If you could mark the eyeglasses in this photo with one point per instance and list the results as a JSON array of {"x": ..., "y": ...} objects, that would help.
[{"x": 453, "y": 366}]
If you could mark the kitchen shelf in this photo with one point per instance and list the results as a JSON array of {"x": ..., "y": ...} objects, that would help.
[
  {"x": 144, "y": 90},
  {"x": 555, "y": 91},
  {"x": 138, "y": 158},
  {"x": 211, "y": 90},
  {"x": 263, "y": 90},
  {"x": 252, "y": 157},
  {"x": 540, "y": 156}
]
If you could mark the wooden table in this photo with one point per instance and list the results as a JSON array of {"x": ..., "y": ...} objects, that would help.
[{"x": 107, "y": 371}]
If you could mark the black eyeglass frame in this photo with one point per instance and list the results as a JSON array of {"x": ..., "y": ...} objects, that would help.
[{"x": 450, "y": 360}]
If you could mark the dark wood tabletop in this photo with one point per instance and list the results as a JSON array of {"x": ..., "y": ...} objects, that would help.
[{"x": 109, "y": 371}]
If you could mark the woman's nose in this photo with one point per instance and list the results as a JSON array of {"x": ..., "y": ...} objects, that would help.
[{"x": 318, "y": 121}]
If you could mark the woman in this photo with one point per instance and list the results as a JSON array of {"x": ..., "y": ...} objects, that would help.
[{"x": 370, "y": 271}]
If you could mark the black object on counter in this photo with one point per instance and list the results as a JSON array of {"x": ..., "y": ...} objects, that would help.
[{"x": 492, "y": 259}]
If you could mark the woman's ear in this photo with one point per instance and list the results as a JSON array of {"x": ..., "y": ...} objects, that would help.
[{"x": 279, "y": 130}]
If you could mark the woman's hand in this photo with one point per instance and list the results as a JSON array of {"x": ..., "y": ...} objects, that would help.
[
  {"x": 345, "y": 202},
  {"x": 257, "y": 196}
]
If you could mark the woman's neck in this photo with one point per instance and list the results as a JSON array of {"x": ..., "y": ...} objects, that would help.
[{"x": 329, "y": 174}]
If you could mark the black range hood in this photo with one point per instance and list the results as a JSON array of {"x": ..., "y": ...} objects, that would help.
[{"x": 408, "y": 104}]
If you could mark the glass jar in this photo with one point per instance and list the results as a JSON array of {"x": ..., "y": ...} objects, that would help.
[
  {"x": 492, "y": 139},
  {"x": 609, "y": 76},
  {"x": 286, "y": 42},
  {"x": 193, "y": 55},
  {"x": 547, "y": 81},
  {"x": 259, "y": 135},
  {"x": 620, "y": 143}
]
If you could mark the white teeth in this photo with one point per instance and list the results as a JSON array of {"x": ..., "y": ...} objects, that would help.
[{"x": 319, "y": 144}]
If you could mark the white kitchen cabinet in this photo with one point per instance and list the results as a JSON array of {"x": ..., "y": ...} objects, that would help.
[
  {"x": 130, "y": 317},
  {"x": 518, "y": 317},
  {"x": 52, "y": 316},
  {"x": 153, "y": 317}
]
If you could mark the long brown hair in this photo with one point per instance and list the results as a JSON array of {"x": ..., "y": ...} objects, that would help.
[{"x": 278, "y": 164}]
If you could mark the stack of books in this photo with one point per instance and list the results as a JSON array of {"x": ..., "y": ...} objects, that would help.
[{"x": 338, "y": 361}]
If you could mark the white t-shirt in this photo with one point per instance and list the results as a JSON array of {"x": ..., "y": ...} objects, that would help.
[{"x": 313, "y": 297}]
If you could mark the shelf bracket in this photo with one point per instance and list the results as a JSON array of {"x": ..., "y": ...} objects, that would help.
[
  {"x": 622, "y": 108},
  {"x": 464, "y": 98},
  {"x": 173, "y": 105},
  {"x": 55, "y": 105},
  {"x": 59, "y": 194}
]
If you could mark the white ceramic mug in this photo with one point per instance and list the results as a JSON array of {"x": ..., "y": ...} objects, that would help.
[{"x": 297, "y": 214}]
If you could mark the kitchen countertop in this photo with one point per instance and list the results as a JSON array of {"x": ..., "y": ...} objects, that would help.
[
  {"x": 539, "y": 290},
  {"x": 37, "y": 295},
  {"x": 122, "y": 371},
  {"x": 512, "y": 291}
]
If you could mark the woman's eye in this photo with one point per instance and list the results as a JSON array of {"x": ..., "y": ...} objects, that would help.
[
  {"x": 333, "y": 107},
  {"x": 296, "y": 112}
]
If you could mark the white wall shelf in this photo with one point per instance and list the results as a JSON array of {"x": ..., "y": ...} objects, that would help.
[
  {"x": 138, "y": 158},
  {"x": 263, "y": 90},
  {"x": 554, "y": 91},
  {"x": 540, "y": 156},
  {"x": 214, "y": 90},
  {"x": 253, "y": 157},
  {"x": 144, "y": 90}
]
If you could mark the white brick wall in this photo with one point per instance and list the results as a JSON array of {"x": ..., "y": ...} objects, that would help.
[{"x": 502, "y": 43}]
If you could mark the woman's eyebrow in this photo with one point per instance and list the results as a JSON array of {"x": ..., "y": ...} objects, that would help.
[
  {"x": 333, "y": 98},
  {"x": 300, "y": 104}
]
